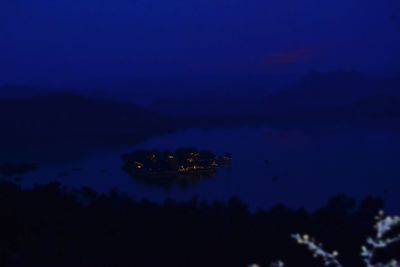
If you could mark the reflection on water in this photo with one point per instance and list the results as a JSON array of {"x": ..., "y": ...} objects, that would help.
[{"x": 294, "y": 167}]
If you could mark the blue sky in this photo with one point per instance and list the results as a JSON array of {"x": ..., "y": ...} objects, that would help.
[{"x": 57, "y": 42}]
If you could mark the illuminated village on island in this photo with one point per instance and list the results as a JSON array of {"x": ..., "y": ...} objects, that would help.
[{"x": 181, "y": 162}]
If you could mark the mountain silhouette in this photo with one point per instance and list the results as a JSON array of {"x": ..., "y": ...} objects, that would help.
[{"x": 65, "y": 120}]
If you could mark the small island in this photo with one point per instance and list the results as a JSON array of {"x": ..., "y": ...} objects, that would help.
[{"x": 184, "y": 164}]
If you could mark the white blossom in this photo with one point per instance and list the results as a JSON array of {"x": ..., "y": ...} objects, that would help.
[
  {"x": 383, "y": 227},
  {"x": 330, "y": 259},
  {"x": 383, "y": 238}
]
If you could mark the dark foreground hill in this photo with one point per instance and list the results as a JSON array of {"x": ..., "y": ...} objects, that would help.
[{"x": 49, "y": 226}]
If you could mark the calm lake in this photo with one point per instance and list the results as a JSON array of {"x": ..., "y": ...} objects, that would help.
[{"x": 354, "y": 162}]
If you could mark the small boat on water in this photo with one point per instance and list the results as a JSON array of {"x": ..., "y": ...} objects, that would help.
[{"x": 224, "y": 160}]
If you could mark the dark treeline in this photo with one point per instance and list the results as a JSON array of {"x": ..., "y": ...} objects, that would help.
[{"x": 52, "y": 226}]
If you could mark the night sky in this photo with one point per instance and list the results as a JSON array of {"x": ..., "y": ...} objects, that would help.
[{"x": 74, "y": 42}]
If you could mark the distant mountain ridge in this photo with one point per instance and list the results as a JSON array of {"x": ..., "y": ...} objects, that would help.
[
  {"x": 332, "y": 89},
  {"x": 65, "y": 120},
  {"x": 317, "y": 96},
  {"x": 337, "y": 96}
]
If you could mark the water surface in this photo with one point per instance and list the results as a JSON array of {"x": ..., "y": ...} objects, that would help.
[{"x": 305, "y": 167}]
